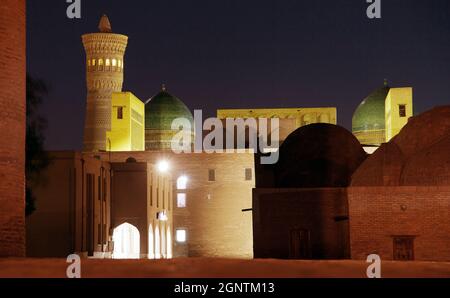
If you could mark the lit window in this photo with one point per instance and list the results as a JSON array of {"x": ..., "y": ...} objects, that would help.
[
  {"x": 100, "y": 62},
  {"x": 89, "y": 63},
  {"x": 402, "y": 111},
  {"x": 181, "y": 200},
  {"x": 114, "y": 62},
  {"x": 120, "y": 63},
  {"x": 93, "y": 62},
  {"x": 108, "y": 62},
  {"x": 181, "y": 235},
  {"x": 119, "y": 112},
  {"x": 182, "y": 183}
]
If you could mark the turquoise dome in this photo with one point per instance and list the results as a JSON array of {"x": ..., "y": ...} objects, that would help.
[
  {"x": 162, "y": 109},
  {"x": 370, "y": 114}
]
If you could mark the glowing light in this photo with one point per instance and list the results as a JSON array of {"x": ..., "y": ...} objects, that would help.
[
  {"x": 163, "y": 166},
  {"x": 126, "y": 242},
  {"x": 162, "y": 216},
  {"x": 181, "y": 236}
]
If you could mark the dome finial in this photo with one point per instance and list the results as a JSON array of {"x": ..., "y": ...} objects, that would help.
[
  {"x": 104, "y": 26},
  {"x": 163, "y": 87},
  {"x": 385, "y": 82}
]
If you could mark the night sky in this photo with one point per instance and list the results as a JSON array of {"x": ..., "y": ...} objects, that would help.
[{"x": 244, "y": 54}]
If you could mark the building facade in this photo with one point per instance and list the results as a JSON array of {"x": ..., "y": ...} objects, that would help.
[
  {"x": 210, "y": 192},
  {"x": 100, "y": 209},
  {"x": 127, "y": 123},
  {"x": 12, "y": 125},
  {"x": 289, "y": 118},
  {"x": 382, "y": 115}
]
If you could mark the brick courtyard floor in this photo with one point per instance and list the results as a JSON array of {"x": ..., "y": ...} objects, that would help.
[{"x": 218, "y": 268}]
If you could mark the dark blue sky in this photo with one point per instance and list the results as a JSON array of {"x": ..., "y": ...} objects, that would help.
[{"x": 243, "y": 53}]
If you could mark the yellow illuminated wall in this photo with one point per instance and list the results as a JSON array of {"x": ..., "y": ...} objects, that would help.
[
  {"x": 127, "y": 123},
  {"x": 290, "y": 118},
  {"x": 399, "y": 108}
]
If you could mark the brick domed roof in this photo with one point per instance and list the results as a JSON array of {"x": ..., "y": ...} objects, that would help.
[
  {"x": 418, "y": 155},
  {"x": 318, "y": 155}
]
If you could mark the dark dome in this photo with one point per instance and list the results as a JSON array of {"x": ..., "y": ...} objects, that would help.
[
  {"x": 162, "y": 109},
  {"x": 318, "y": 155}
]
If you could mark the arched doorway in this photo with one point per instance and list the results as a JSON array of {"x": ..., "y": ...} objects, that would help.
[
  {"x": 126, "y": 242},
  {"x": 151, "y": 243}
]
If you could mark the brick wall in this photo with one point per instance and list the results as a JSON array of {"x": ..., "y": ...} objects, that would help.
[
  {"x": 12, "y": 127},
  {"x": 321, "y": 211},
  {"x": 379, "y": 213}
]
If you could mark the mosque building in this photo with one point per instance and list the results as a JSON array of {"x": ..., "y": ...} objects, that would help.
[
  {"x": 128, "y": 195},
  {"x": 381, "y": 116}
]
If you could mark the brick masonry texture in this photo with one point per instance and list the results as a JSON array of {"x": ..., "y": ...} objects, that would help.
[
  {"x": 379, "y": 213},
  {"x": 12, "y": 127}
]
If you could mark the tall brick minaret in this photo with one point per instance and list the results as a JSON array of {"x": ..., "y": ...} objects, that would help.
[
  {"x": 12, "y": 128},
  {"x": 104, "y": 75}
]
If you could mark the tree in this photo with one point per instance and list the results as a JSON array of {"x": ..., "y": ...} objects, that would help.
[{"x": 36, "y": 159}]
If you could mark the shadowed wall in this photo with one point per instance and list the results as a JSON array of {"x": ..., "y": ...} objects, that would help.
[{"x": 12, "y": 127}]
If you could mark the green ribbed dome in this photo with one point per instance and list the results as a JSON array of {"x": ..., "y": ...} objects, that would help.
[
  {"x": 370, "y": 114},
  {"x": 162, "y": 109}
]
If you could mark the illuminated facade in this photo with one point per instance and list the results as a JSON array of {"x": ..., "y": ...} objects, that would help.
[
  {"x": 289, "y": 118},
  {"x": 104, "y": 76},
  {"x": 101, "y": 209},
  {"x": 382, "y": 115},
  {"x": 127, "y": 123},
  {"x": 398, "y": 108}
]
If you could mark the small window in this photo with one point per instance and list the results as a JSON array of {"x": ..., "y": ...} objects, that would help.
[
  {"x": 114, "y": 62},
  {"x": 100, "y": 62},
  {"x": 120, "y": 63},
  {"x": 108, "y": 62},
  {"x": 212, "y": 175},
  {"x": 181, "y": 200},
  {"x": 182, "y": 183},
  {"x": 403, "y": 248},
  {"x": 248, "y": 174},
  {"x": 93, "y": 62},
  {"x": 402, "y": 111},
  {"x": 119, "y": 112},
  {"x": 180, "y": 235}
]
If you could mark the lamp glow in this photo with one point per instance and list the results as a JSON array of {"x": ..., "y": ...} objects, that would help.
[{"x": 163, "y": 166}]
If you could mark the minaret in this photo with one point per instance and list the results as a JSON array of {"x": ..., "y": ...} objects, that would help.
[{"x": 104, "y": 75}]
